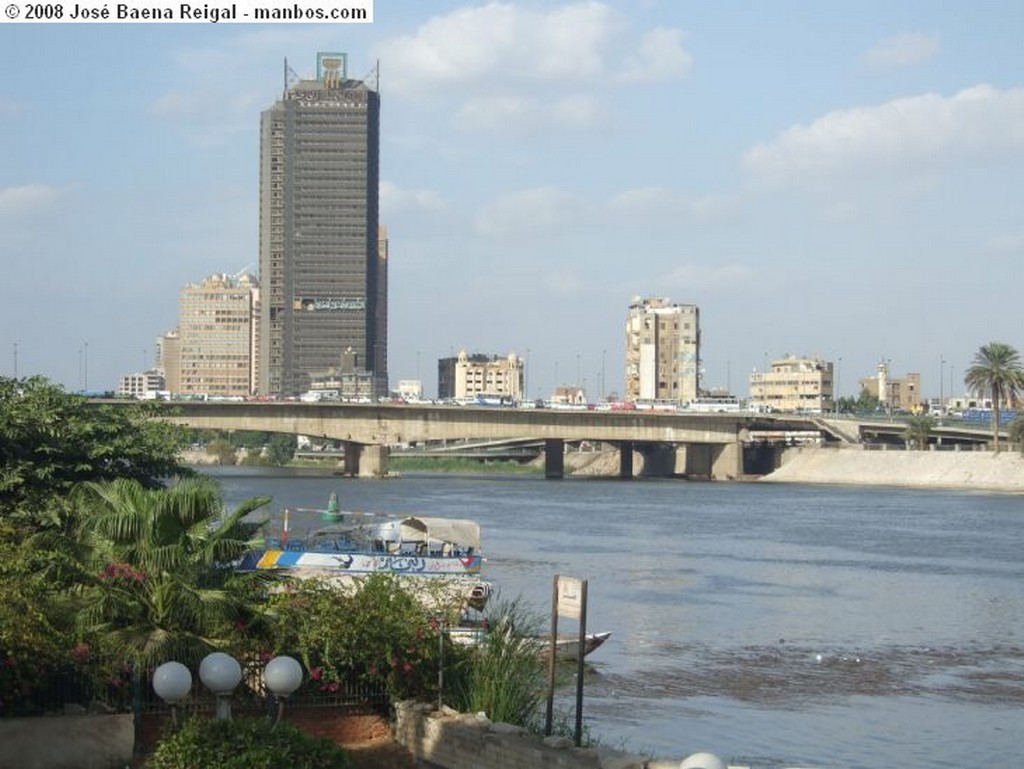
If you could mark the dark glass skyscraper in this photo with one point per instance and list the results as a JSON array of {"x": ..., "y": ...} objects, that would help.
[{"x": 323, "y": 257}]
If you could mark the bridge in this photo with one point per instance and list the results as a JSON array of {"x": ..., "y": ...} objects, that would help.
[{"x": 698, "y": 445}]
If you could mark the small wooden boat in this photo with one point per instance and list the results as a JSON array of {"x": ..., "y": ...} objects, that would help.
[{"x": 567, "y": 647}]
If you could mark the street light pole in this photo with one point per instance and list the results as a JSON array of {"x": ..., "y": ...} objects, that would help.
[
  {"x": 603, "y": 383},
  {"x": 942, "y": 373},
  {"x": 835, "y": 389}
]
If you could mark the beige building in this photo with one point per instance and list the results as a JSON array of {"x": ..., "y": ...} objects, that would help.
[
  {"x": 470, "y": 376},
  {"x": 797, "y": 385},
  {"x": 897, "y": 393},
  {"x": 142, "y": 385},
  {"x": 168, "y": 360},
  {"x": 215, "y": 329},
  {"x": 662, "y": 351}
]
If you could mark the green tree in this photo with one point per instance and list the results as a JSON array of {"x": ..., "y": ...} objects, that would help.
[
  {"x": 162, "y": 584},
  {"x": 223, "y": 450},
  {"x": 281, "y": 448},
  {"x": 919, "y": 430},
  {"x": 51, "y": 440},
  {"x": 1016, "y": 432},
  {"x": 996, "y": 371},
  {"x": 35, "y": 637}
]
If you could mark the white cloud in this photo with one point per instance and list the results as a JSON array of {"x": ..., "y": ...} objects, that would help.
[
  {"x": 660, "y": 56},
  {"x": 512, "y": 114},
  {"x": 519, "y": 68},
  {"x": 8, "y": 108},
  {"x": 902, "y": 50},
  {"x": 562, "y": 282},
  {"x": 502, "y": 42},
  {"x": 28, "y": 200},
  {"x": 920, "y": 133},
  {"x": 394, "y": 200},
  {"x": 666, "y": 203},
  {"x": 695, "y": 276},
  {"x": 529, "y": 213},
  {"x": 1007, "y": 243}
]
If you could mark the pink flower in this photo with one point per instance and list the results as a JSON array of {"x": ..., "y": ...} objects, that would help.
[
  {"x": 406, "y": 667},
  {"x": 80, "y": 653}
]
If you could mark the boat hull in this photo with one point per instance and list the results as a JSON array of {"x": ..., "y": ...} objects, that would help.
[{"x": 364, "y": 563}]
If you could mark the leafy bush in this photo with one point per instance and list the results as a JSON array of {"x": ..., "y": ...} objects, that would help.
[
  {"x": 246, "y": 743},
  {"x": 504, "y": 675},
  {"x": 377, "y": 631}
]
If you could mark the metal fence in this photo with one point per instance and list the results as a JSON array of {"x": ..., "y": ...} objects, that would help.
[{"x": 131, "y": 691}]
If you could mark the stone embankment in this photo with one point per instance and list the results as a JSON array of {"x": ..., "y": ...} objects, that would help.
[{"x": 964, "y": 470}]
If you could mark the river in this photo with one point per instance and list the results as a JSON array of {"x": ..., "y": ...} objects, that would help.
[{"x": 775, "y": 625}]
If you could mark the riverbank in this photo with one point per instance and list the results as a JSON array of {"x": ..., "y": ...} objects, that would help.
[{"x": 962, "y": 470}]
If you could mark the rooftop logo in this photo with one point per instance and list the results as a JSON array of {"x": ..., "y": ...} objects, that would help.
[{"x": 331, "y": 69}]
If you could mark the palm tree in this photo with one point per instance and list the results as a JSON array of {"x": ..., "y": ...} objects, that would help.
[
  {"x": 919, "y": 430},
  {"x": 996, "y": 369},
  {"x": 163, "y": 586}
]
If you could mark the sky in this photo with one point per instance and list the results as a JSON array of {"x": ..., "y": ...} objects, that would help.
[{"x": 837, "y": 179}]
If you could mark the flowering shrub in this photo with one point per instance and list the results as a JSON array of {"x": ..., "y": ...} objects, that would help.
[
  {"x": 376, "y": 633},
  {"x": 121, "y": 571}
]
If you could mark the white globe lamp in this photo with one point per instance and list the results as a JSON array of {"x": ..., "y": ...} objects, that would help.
[
  {"x": 172, "y": 682},
  {"x": 221, "y": 673},
  {"x": 703, "y": 761},
  {"x": 282, "y": 675}
]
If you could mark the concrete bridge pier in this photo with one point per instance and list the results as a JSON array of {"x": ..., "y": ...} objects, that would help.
[
  {"x": 727, "y": 461},
  {"x": 626, "y": 459},
  {"x": 710, "y": 461},
  {"x": 554, "y": 458},
  {"x": 365, "y": 460},
  {"x": 660, "y": 460}
]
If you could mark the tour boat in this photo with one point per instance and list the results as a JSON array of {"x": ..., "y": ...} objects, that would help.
[{"x": 370, "y": 543}]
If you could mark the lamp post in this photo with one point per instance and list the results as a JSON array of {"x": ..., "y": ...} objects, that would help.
[
  {"x": 172, "y": 682},
  {"x": 942, "y": 373},
  {"x": 835, "y": 389},
  {"x": 221, "y": 673},
  {"x": 603, "y": 383},
  {"x": 282, "y": 675},
  {"x": 702, "y": 761}
]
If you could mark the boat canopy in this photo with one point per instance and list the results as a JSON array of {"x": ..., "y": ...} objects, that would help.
[{"x": 458, "y": 531}]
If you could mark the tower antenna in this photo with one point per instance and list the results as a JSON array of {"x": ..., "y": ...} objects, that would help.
[
  {"x": 290, "y": 77},
  {"x": 372, "y": 78}
]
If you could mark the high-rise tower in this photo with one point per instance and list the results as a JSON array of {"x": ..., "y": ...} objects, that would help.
[
  {"x": 662, "y": 351},
  {"x": 323, "y": 271}
]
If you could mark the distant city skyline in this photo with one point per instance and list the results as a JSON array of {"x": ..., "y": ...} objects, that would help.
[{"x": 835, "y": 180}]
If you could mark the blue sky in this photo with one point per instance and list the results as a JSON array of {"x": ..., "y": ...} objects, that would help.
[{"x": 840, "y": 179}]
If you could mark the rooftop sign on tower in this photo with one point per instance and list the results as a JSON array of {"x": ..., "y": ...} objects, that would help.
[{"x": 331, "y": 69}]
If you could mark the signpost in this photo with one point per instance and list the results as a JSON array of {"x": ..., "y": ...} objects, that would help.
[{"x": 568, "y": 599}]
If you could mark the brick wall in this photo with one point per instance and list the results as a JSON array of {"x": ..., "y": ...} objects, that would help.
[{"x": 345, "y": 724}]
